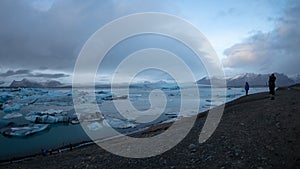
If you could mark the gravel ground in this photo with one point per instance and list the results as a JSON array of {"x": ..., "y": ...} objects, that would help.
[{"x": 254, "y": 132}]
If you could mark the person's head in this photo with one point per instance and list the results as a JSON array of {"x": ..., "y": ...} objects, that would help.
[{"x": 246, "y": 82}]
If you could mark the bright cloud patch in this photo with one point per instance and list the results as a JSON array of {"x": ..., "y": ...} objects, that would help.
[{"x": 277, "y": 50}]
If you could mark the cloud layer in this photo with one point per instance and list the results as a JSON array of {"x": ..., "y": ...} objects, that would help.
[
  {"x": 275, "y": 51},
  {"x": 50, "y": 34},
  {"x": 29, "y": 73}
]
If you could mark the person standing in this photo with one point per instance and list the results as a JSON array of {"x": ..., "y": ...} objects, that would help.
[
  {"x": 247, "y": 88},
  {"x": 272, "y": 80}
]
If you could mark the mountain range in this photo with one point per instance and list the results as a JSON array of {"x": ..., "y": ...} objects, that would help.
[
  {"x": 252, "y": 79},
  {"x": 234, "y": 81},
  {"x": 34, "y": 84}
]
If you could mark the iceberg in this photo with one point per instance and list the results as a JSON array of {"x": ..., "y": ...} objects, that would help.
[
  {"x": 120, "y": 97},
  {"x": 118, "y": 123},
  {"x": 5, "y": 123},
  {"x": 12, "y": 115},
  {"x": 52, "y": 112},
  {"x": 171, "y": 115},
  {"x": 107, "y": 96},
  {"x": 94, "y": 126},
  {"x": 102, "y": 92},
  {"x": 25, "y": 130},
  {"x": 90, "y": 117},
  {"x": 48, "y": 116},
  {"x": 9, "y": 109},
  {"x": 5, "y": 97},
  {"x": 170, "y": 88},
  {"x": 47, "y": 119}
]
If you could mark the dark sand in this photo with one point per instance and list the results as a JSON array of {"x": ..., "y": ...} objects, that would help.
[{"x": 255, "y": 132}]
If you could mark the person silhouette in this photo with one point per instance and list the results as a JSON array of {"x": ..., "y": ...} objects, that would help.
[
  {"x": 247, "y": 88},
  {"x": 272, "y": 80}
]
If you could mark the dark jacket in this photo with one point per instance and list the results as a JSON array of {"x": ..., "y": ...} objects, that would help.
[
  {"x": 272, "y": 80},
  {"x": 247, "y": 86}
]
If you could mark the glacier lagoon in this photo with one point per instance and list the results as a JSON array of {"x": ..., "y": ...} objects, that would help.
[{"x": 19, "y": 104}]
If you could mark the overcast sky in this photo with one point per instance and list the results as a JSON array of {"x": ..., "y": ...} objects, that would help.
[{"x": 41, "y": 39}]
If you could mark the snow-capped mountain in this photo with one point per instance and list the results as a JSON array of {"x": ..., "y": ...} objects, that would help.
[
  {"x": 253, "y": 80},
  {"x": 296, "y": 78},
  {"x": 34, "y": 84}
]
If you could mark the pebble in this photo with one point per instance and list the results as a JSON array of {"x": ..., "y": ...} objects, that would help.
[
  {"x": 192, "y": 147},
  {"x": 278, "y": 124},
  {"x": 269, "y": 148}
]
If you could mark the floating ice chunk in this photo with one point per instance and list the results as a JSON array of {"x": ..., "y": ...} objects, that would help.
[
  {"x": 40, "y": 90},
  {"x": 119, "y": 97},
  {"x": 27, "y": 100},
  {"x": 48, "y": 116},
  {"x": 97, "y": 116},
  {"x": 12, "y": 115},
  {"x": 107, "y": 96},
  {"x": 102, "y": 92},
  {"x": 31, "y": 117},
  {"x": 25, "y": 130},
  {"x": 4, "y": 123},
  {"x": 94, "y": 126},
  {"x": 47, "y": 119},
  {"x": 9, "y": 109},
  {"x": 5, "y": 96},
  {"x": 51, "y": 119},
  {"x": 48, "y": 112},
  {"x": 170, "y": 86},
  {"x": 52, "y": 112},
  {"x": 110, "y": 96},
  {"x": 118, "y": 123},
  {"x": 171, "y": 115},
  {"x": 75, "y": 121}
]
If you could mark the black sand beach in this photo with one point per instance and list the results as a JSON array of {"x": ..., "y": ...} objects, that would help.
[{"x": 254, "y": 132}]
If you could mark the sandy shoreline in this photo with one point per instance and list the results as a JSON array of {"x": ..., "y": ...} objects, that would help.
[{"x": 255, "y": 132}]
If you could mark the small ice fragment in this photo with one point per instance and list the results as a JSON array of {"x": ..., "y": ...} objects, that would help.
[
  {"x": 5, "y": 96},
  {"x": 94, "y": 126},
  {"x": 25, "y": 130},
  {"x": 9, "y": 109},
  {"x": 12, "y": 115},
  {"x": 118, "y": 123}
]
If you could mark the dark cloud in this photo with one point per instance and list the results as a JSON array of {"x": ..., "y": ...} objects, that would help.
[
  {"x": 29, "y": 73},
  {"x": 33, "y": 38},
  {"x": 275, "y": 51},
  {"x": 47, "y": 75},
  {"x": 17, "y": 72}
]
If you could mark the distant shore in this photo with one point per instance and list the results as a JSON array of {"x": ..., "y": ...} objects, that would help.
[{"x": 255, "y": 132}]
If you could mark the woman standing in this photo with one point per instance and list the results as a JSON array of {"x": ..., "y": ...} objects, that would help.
[{"x": 247, "y": 88}]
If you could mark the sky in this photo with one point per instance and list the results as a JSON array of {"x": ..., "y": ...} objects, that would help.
[{"x": 41, "y": 39}]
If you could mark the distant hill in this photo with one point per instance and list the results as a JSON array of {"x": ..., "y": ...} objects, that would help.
[
  {"x": 51, "y": 83},
  {"x": 253, "y": 79},
  {"x": 296, "y": 78},
  {"x": 34, "y": 84}
]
